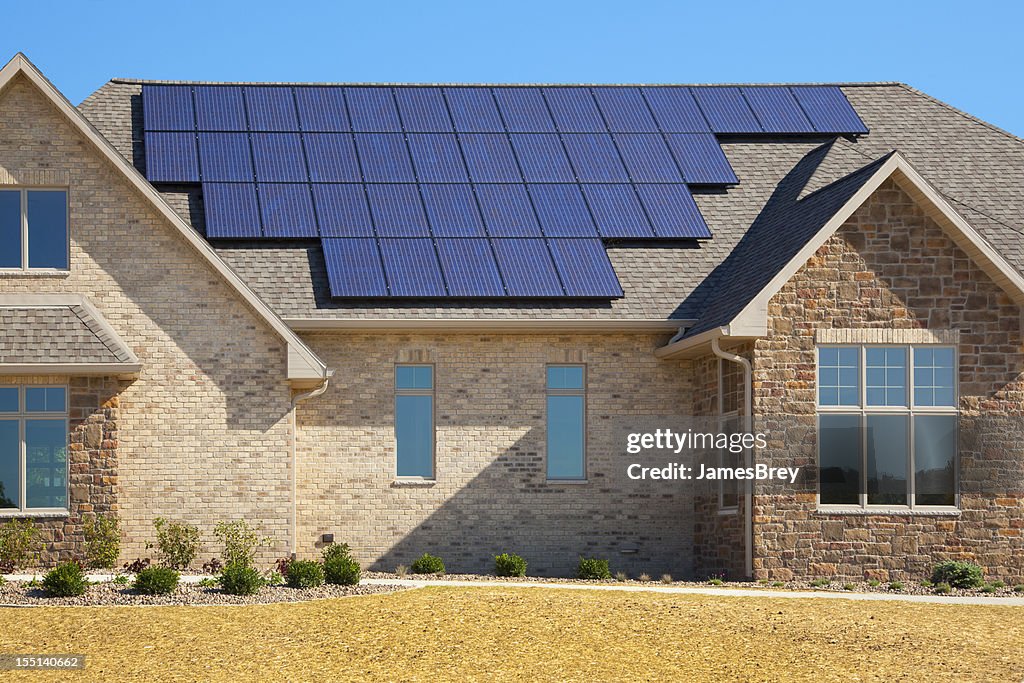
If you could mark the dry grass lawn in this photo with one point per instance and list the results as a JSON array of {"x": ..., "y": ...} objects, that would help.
[{"x": 506, "y": 634}]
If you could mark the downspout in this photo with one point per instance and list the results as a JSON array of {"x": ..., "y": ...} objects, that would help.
[
  {"x": 294, "y": 531},
  {"x": 748, "y": 414}
]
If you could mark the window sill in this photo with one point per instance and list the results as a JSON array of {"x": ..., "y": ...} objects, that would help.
[
  {"x": 723, "y": 512},
  {"x": 891, "y": 512},
  {"x": 413, "y": 482},
  {"x": 19, "y": 273},
  {"x": 570, "y": 482},
  {"x": 34, "y": 514}
]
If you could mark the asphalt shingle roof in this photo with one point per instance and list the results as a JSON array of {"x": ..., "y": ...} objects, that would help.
[{"x": 56, "y": 334}]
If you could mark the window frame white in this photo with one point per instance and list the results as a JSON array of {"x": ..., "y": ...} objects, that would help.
[
  {"x": 581, "y": 392},
  {"x": 724, "y": 417},
  {"x": 23, "y": 190},
  {"x": 21, "y": 417},
  {"x": 432, "y": 393}
]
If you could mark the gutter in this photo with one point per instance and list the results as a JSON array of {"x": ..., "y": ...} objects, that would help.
[
  {"x": 305, "y": 396},
  {"x": 485, "y": 325}
]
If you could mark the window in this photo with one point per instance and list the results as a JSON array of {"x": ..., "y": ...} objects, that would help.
[
  {"x": 566, "y": 429},
  {"x": 414, "y": 420},
  {"x": 33, "y": 448},
  {"x": 730, "y": 392},
  {"x": 34, "y": 229},
  {"x": 887, "y": 426}
]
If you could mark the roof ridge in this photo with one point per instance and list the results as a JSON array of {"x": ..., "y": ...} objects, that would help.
[
  {"x": 961, "y": 112},
  {"x": 436, "y": 84}
]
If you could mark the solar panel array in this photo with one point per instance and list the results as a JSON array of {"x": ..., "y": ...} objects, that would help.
[{"x": 465, "y": 191}]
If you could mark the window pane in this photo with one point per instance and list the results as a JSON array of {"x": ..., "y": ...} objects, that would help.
[
  {"x": 46, "y": 469},
  {"x": 935, "y": 448},
  {"x": 414, "y": 434},
  {"x": 839, "y": 459},
  {"x": 44, "y": 399},
  {"x": 730, "y": 488},
  {"x": 838, "y": 376},
  {"x": 47, "y": 229},
  {"x": 886, "y": 372},
  {"x": 565, "y": 437},
  {"x": 933, "y": 376},
  {"x": 565, "y": 377},
  {"x": 10, "y": 229},
  {"x": 8, "y": 399},
  {"x": 9, "y": 457},
  {"x": 887, "y": 459},
  {"x": 414, "y": 377}
]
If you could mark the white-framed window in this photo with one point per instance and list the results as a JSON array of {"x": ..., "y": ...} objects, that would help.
[
  {"x": 33, "y": 449},
  {"x": 730, "y": 404},
  {"x": 887, "y": 426},
  {"x": 34, "y": 229},
  {"x": 566, "y": 422},
  {"x": 414, "y": 421}
]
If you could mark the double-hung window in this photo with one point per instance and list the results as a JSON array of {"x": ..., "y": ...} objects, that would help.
[
  {"x": 887, "y": 426},
  {"x": 33, "y": 229},
  {"x": 33, "y": 449},
  {"x": 414, "y": 420},
  {"x": 730, "y": 393},
  {"x": 566, "y": 423}
]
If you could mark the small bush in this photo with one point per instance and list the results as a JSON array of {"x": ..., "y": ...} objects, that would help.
[
  {"x": 156, "y": 580},
  {"x": 926, "y": 584},
  {"x": 987, "y": 588},
  {"x": 1019, "y": 588},
  {"x": 177, "y": 543},
  {"x": 427, "y": 564},
  {"x": 942, "y": 588},
  {"x": 305, "y": 574},
  {"x": 275, "y": 578},
  {"x": 874, "y": 583},
  {"x": 240, "y": 542},
  {"x": 137, "y": 565},
  {"x": 509, "y": 564},
  {"x": 998, "y": 584},
  {"x": 848, "y": 586},
  {"x": 820, "y": 583},
  {"x": 102, "y": 541},
  {"x": 644, "y": 577},
  {"x": 621, "y": 576},
  {"x": 666, "y": 578},
  {"x": 340, "y": 568},
  {"x": 401, "y": 571},
  {"x": 120, "y": 580},
  {"x": 593, "y": 568},
  {"x": 208, "y": 582},
  {"x": 212, "y": 566},
  {"x": 715, "y": 581},
  {"x": 895, "y": 586},
  {"x": 778, "y": 584},
  {"x": 957, "y": 574},
  {"x": 282, "y": 565},
  {"x": 2, "y": 580},
  {"x": 763, "y": 582},
  {"x": 65, "y": 580},
  {"x": 237, "y": 579},
  {"x": 20, "y": 543}
]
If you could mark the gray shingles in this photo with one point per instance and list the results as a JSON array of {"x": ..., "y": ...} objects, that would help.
[{"x": 63, "y": 334}]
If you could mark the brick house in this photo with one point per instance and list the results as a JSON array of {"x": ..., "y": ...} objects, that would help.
[{"x": 417, "y": 318}]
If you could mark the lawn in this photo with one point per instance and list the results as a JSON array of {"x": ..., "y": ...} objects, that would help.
[{"x": 498, "y": 634}]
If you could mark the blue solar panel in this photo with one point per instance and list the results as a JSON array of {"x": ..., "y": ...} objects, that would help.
[
  {"x": 331, "y": 158},
  {"x": 231, "y": 210},
  {"x": 542, "y": 158},
  {"x": 595, "y": 158},
  {"x": 618, "y": 211},
  {"x": 271, "y": 109},
  {"x": 673, "y": 212},
  {"x": 507, "y": 210},
  {"x": 412, "y": 267},
  {"x": 562, "y": 211},
  {"x": 527, "y": 267},
  {"x": 489, "y": 158},
  {"x": 341, "y": 211},
  {"x": 172, "y": 157},
  {"x": 647, "y": 158},
  {"x": 625, "y": 110},
  {"x": 574, "y": 110},
  {"x": 675, "y": 110},
  {"x": 469, "y": 267},
  {"x": 397, "y": 210},
  {"x": 584, "y": 268},
  {"x": 726, "y": 110},
  {"x": 452, "y": 210},
  {"x": 701, "y": 159},
  {"x": 437, "y": 158},
  {"x": 287, "y": 210},
  {"x": 225, "y": 156},
  {"x": 219, "y": 108},
  {"x": 167, "y": 107},
  {"x": 384, "y": 157},
  {"x": 524, "y": 110},
  {"x": 777, "y": 110},
  {"x": 828, "y": 109},
  {"x": 423, "y": 110},
  {"x": 372, "y": 110},
  {"x": 278, "y": 157},
  {"x": 322, "y": 109},
  {"x": 354, "y": 268},
  {"x": 474, "y": 110}
]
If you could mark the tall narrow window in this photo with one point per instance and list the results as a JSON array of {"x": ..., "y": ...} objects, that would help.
[
  {"x": 730, "y": 391},
  {"x": 414, "y": 420},
  {"x": 566, "y": 428},
  {"x": 34, "y": 229},
  {"x": 33, "y": 448}
]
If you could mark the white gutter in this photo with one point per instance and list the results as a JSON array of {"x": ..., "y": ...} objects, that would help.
[
  {"x": 485, "y": 325},
  {"x": 294, "y": 531}
]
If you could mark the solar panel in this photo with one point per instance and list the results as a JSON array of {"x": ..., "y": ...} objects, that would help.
[
  {"x": 437, "y": 158},
  {"x": 701, "y": 159},
  {"x": 372, "y": 110},
  {"x": 617, "y": 211},
  {"x": 625, "y": 110},
  {"x": 168, "y": 107},
  {"x": 231, "y": 210},
  {"x": 673, "y": 212},
  {"x": 412, "y": 267},
  {"x": 647, "y": 158},
  {"x": 542, "y": 158},
  {"x": 675, "y": 110},
  {"x": 287, "y": 210},
  {"x": 322, "y": 109},
  {"x": 225, "y": 156},
  {"x": 271, "y": 109},
  {"x": 489, "y": 158},
  {"x": 384, "y": 157},
  {"x": 397, "y": 210},
  {"x": 354, "y": 268},
  {"x": 584, "y": 268},
  {"x": 527, "y": 267},
  {"x": 726, "y": 110},
  {"x": 278, "y": 157},
  {"x": 331, "y": 158},
  {"x": 828, "y": 109},
  {"x": 595, "y": 158},
  {"x": 777, "y": 110},
  {"x": 507, "y": 210},
  {"x": 342, "y": 211},
  {"x": 524, "y": 110},
  {"x": 469, "y": 268},
  {"x": 452, "y": 210},
  {"x": 172, "y": 157},
  {"x": 219, "y": 108},
  {"x": 474, "y": 110},
  {"x": 574, "y": 110},
  {"x": 562, "y": 211},
  {"x": 423, "y": 110}
]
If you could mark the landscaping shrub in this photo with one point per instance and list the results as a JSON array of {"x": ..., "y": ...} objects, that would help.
[
  {"x": 644, "y": 577},
  {"x": 120, "y": 580},
  {"x": 20, "y": 543},
  {"x": 102, "y": 541},
  {"x": 305, "y": 574},
  {"x": 1019, "y": 588},
  {"x": 275, "y": 578},
  {"x": 874, "y": 583},
  {"x": 65, "y": 580},
  {"x": 957, "y": 574},
  {"x": 282, "y": 565},
  {"x": 212, "y": 566},
  {"x": 666, "y": 578},
  {"x": 509, "y": 564},
  {"x": 339, "y": 566},
  {"x": 895, "y": 586},
  {"x": 427, "y": 564},
  {"x": 715, "y": 581},
  {"x": 156, "y": 581},
  {"x": 942, "y": 588},
  {"x": 137, "y": 565},
  {"x": 176, "y": 542},
  {"x": 778, "y": 584},
  {"x": 240, "y": 542},
  {"x": 621, "y": 576},
  {"x": 593, "y": 568},
  {"x": 401, "y": 570},
  {"x": 237, "y": 579}
]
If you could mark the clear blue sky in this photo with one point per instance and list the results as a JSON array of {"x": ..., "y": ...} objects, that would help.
[{"x": 969, "y": 54}]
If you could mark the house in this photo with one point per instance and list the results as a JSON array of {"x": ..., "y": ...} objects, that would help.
[{"x": 420, "y": 318}]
